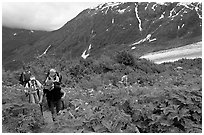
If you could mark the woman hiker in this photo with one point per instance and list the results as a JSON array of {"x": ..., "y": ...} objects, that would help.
[{"x": 33, "y": 89}]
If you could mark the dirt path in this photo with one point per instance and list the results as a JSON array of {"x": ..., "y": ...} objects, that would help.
[{"x": 47, "y": 117}]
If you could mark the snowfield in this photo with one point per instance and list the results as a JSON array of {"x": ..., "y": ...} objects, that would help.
[{"x": 189, "y": 51}]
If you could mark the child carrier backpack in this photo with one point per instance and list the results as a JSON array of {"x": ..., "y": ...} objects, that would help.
[{"x": 58, "y": 74}]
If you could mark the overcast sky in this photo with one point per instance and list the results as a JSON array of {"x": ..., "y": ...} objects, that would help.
[
  {"x": 41, "y": 15},
  {"x": 47, "y": 15}
]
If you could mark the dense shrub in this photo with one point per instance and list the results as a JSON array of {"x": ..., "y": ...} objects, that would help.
[
  {"x": 125, "y": 58},
  {"x": 148, "y": 66},
  {"x": 17, "y": 114},
  {"x": 10, "y": 78},
  {"x": 161, "y": 98}
]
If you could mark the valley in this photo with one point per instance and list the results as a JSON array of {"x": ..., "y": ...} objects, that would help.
[{"x": 126, "y": 67}]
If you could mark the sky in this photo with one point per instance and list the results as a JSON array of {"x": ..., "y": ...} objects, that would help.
[{"x": 41, "y": 15}]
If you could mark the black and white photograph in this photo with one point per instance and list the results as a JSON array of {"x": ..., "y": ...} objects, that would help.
[{"x": 101, "y": 67}]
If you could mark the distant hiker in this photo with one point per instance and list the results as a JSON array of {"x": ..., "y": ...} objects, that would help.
[
  {"x": 25, "y": 76},
  {"x": 33, "y": 89},
  {"x": 54, "y": 76},
  {"x": 124, "y": 80},
  {"x": 54, "y": 95}
]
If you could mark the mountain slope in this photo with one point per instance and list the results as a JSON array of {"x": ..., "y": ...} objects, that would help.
[
  {"x": 138, "y": 27},
  {"x": 14, "y": 40},
  {"x": 132, "y": 24}
]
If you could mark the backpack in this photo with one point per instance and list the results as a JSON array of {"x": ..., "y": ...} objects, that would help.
[
  {"x": 35, "y": 83},
  {"x": 58, "y": 74},
  {"x": 24, "y": 78}
]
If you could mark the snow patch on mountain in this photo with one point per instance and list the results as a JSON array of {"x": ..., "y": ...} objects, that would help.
[
  {"x": 113, "y": 20},
  {"x": 15, "y": 34},
  {"x": 137, "y": 16},
  {"x": 121, "y": 11},
  {"x": 196, "y": 8},
  {"x": 134, "y": 47},
  {"x": 171, "y": 12},
  {"x": 147, "y": 38},
  {"x": 161, "y": 3},
  {"x": 86, "y": 53},
  {"x": 151, "y": 40},
  {"x": 153, "y": 7},
  {"x": 185, "y": 4},
  {"x": 106, "y": 10},
  {"x": 177, "y": 13},
  {"x": 162, "y": 16},
  {"x": 45, "y": 52},
  {"x": 146, "y": 6},
  {"x": 107, "y": 5}
]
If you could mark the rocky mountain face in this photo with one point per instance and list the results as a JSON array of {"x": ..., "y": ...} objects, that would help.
[{"x": 138, "y": 27}]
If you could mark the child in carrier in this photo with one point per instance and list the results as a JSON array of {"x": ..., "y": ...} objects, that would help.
[
  {"x": 34, "y": 90},
  {"x": 53, "y": 76}
]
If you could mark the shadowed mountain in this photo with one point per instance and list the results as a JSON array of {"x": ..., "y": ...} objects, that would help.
[{"x": 15, "y": 40}]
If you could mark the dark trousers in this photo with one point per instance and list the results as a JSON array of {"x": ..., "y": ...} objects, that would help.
[{"x": 52, "y": 105}]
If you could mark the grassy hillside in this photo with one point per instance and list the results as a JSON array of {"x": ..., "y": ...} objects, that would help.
[
  {"x": 14, "y": 42},
  {"x": 157, "y": 98}
]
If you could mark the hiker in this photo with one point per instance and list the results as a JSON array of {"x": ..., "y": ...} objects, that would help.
[
  {"x": 56, "y": 78},
  {"x": 53, "y": 76},
  {"x": 25, "y": 76},
  {"x": 33, "y": 89},
  {"x": 54, "y": 95},
  {"x": 124, "y": 79}
]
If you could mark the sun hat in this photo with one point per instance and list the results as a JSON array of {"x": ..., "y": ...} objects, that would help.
[
  {"x": 32, "y": 78},
  {"x": 52, "y": 70}
]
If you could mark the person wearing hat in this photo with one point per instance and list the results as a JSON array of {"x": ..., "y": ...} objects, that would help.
[
  {"x": 54, "y": 95},
  {"x": 33, "y": 89},
  {"x": 53, "y": 76}
]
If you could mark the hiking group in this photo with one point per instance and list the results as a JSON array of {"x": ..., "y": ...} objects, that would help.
[{"x": 50, "y": 88}]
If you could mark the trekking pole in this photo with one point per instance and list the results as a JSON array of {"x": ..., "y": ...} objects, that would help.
[{"x": 41, "y": 109}]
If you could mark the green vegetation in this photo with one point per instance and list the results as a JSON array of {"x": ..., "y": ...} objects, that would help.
[{"x": 158, "y": 99}]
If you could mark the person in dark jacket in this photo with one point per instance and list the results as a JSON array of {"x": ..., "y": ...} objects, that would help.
[
  {"x": 54, "y": 95},
  {"x": 25, "y": 76}
]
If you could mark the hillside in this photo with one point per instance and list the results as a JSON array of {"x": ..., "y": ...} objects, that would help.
[
  {"x": 141, "y": 28},
  {"x": 126, "y": 25},
  {"x": 94, "y": 52},
  {"x": 13, "y": 42},
  {"x": 164, "y": 98}
]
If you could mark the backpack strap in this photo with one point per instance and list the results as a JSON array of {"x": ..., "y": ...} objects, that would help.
[{"x": 60, "y": 76}]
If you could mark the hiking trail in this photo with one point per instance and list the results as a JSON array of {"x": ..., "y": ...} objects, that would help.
[{"x": 47, "y": 117}]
